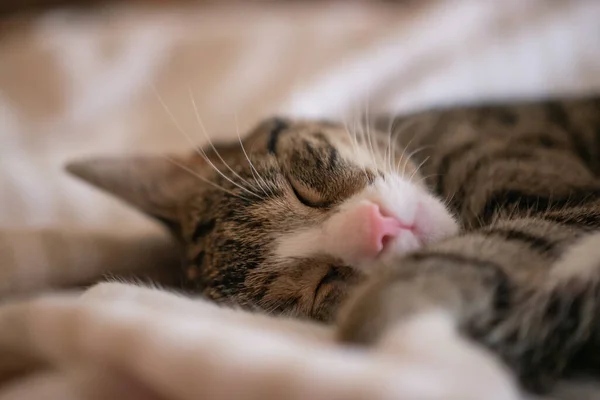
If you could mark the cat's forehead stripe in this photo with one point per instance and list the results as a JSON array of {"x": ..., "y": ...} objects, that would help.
[
  {"x": 328, "y": 149},
  {"x": 278, "y": 127},
  {"x": 203, "y": 228}
]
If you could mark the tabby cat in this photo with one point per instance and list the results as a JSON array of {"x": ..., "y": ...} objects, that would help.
[{"x": 300, "y": 212}]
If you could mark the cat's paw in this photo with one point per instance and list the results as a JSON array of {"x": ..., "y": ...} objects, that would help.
[
  {"x": 415, "y": 322},
  {"x": 452, "y": 366},
  {"x": 388, "y": 298}
]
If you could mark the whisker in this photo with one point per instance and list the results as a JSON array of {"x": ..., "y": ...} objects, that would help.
[
  {"x": 355, "y": 130},
  {"x": 197, "y": 175},
  {"x": 404, "y": 126},
  {"x": 412, "y": 154},
  {"x": 217, "y": 152},
  {"x": 428, "y": 176},
  {"x": 377, "y": 142},
  {"x": 415, "y": 121},
  {"x": 357, "y": 122},
  {"x": 354, "y": 142},
  {"x": 448, "y": 200},
  {"x": 388, "y": 152},
  {"x": 257, "y": 177},
  {"x": 198, "y": 149},
  {"x": 367, "y": 132},
  {"x": 403, "y": 154},
  {"x": 418, "y": 168},
  {"x": 418, "y": 150},
  {"x": 393, "y": 150},
  {"x": 359, "y": 133}
]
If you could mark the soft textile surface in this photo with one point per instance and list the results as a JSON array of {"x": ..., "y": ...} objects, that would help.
[
  {"x": 123, "y": 80},
  {"x": 119, "y": 342},
  {"x": 114, "y": 343}
]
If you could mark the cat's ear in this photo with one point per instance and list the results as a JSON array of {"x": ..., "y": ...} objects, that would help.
[{"x": 155, "y": 185}]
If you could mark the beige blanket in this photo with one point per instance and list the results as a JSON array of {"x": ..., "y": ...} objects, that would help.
[{"x": 120, "y": 80}]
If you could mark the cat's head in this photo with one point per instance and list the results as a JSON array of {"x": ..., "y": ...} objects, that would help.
[{"x": 289, "y": 221}]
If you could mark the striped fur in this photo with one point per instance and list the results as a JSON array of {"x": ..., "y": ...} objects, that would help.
[{"x": 523, "y": 276}]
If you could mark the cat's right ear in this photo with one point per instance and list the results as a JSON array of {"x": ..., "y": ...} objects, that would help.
[{"x": 154, "y": 185}]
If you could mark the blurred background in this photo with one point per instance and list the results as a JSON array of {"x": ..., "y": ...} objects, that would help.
[{"x": 79, "y": 78}]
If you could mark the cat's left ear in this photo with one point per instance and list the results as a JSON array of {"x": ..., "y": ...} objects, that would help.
[{"x": 152, "y": 184}]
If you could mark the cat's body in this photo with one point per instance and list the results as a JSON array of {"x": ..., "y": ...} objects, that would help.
[
  {"x": 317, "y": 211},
  {"x": 523, "y": 275}
]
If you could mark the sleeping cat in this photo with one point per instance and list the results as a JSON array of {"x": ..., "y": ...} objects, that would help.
[
  {"x": 301, "y": 212},
  {"x": 290, "y": 228}
]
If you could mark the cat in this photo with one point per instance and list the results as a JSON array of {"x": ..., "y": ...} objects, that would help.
[
  {"x": 287, "y": 220},
  {"x": 311, "y": 212}
]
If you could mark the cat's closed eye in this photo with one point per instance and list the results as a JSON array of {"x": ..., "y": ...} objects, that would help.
[
  {"x": 307, "y": 195},
  {"x": 332, "y": 275}
]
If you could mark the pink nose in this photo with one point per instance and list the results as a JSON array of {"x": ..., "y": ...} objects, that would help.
[{"x": 377, "y": 229}]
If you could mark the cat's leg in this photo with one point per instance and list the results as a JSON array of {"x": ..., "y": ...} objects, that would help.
[
  {"x": 573, "y": 291},
  {"x": 424, "y": 283},
  {"x": 434, "y": 309},
  {"x": 494, "y": 285}
]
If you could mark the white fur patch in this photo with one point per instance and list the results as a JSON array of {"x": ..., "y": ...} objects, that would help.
[
  {"x": 582, "y": 260},
  {"x": 462, "y": 369}
]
